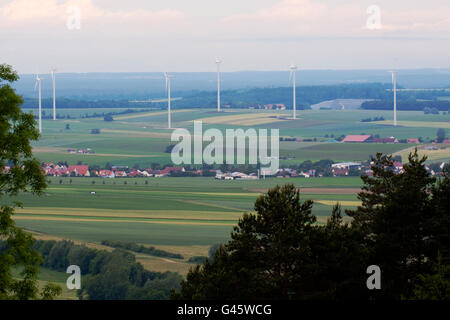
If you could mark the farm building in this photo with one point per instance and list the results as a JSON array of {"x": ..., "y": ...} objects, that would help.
[
  {"x": 384, "y": 140},
  {"x": 340, "y": 172},
  {"x": 346, "y": 165},
  {"x": 413, "y": 141},
  {"x": 360, "y": 138}
]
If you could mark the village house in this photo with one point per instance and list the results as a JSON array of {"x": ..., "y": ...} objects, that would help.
[
  {"x": 79, "y": 170},
  {"x": 120, "y": 174},
  {"x": 106, "y": 173}
]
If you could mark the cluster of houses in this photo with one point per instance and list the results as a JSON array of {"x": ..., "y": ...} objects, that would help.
[
  {"x": 270, "y": 106},
  {"x": 367, "y": 138},
  {"x": 336, "y": 170},
  {"x": 58, "y": 170}
]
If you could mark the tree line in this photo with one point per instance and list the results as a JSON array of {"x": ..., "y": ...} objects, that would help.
[
  {"x": 407, "y": 105},
  {"x": 280, "y": 252},
  {"x": 141, "y": 249},
  {"x": 107, "y": 275}
]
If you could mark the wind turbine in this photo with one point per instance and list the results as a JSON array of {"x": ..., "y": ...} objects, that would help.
[
  {"x": 54, "y": 95},
  {"x": 218, "y": 62},
  {"x": 293, "y": 69},
  {"x": 394, "y": 88},
  {"x": 38, "y": 82},
  {"x": 169, "y": 120}
]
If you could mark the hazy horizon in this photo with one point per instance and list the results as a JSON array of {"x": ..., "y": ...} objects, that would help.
[{"x": 263, "y": 35}]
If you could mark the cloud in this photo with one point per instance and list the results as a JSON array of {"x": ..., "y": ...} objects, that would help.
[
  {"x": 25, "y": 12},
  {"x": 315, "y": 18}
]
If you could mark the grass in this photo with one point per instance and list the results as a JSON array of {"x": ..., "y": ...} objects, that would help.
[
  {"x": 418, "y": 124},
  {"x": 141, "y": 138},
  {"x": 441, "y": 154},
  {"x": 56, "y": 277},
  {"x": 166, "y": 211},
  {"x": 188, "y": 215}
]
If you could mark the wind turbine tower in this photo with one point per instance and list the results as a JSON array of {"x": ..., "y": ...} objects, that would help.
[
  {"x": 38, "y": 83},
  {"x": 54, "y": 95},
  {"x": 293, "y": 69},
  {"x": 169, "y": 119},
  {"x": 218, "y": 62},
  {"x": 394, "y": 89}
]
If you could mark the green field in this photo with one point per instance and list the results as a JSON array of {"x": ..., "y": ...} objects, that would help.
[
  {"x": 142, "y": 138},
  {"x": 190, "y": 214},
  {"x": 176, "y": 213},
  {"x": 56, "y": 277}
]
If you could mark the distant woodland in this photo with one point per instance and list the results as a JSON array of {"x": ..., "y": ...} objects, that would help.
[{"x": 256, "y": 97}]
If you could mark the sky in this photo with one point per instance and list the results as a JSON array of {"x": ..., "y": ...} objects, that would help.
[{"x": 186, "y": 36}]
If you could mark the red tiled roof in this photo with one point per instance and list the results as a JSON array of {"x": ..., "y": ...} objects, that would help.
[
  {"x": 79, "y": 169},
  {"x": 357, "y": 138},
  {"x": 413, "y": 141}
]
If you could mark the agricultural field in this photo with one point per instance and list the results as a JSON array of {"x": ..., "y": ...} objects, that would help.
[
  {"x": 188, "y": 215},
  {"x": 142, "y": 138},
  {"x": 45, "y": 276},
  {"x": 183, "y": 214}
]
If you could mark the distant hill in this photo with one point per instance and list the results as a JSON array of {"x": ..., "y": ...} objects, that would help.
[
  {"x": 347, "y": 96},
  {"x": 150, "y": 85}
]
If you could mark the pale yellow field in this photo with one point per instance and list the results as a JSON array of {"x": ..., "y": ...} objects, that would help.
[
  {"x": 420, "y": 124},
  {"x": 147, "y": 114},
  {"x": 343, "y": 203},
  {"x": 158, "y": 264},
  {"x": 249, "y": 119},
  {"x": 431, "y": 154},
  {"x": 323, "y": 220}
]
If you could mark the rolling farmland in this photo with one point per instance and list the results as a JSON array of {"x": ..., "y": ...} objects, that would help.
[{"x": 188, "y": 215}]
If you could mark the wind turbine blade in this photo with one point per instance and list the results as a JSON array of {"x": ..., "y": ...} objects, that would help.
[{"x": 290, "y": 77}]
